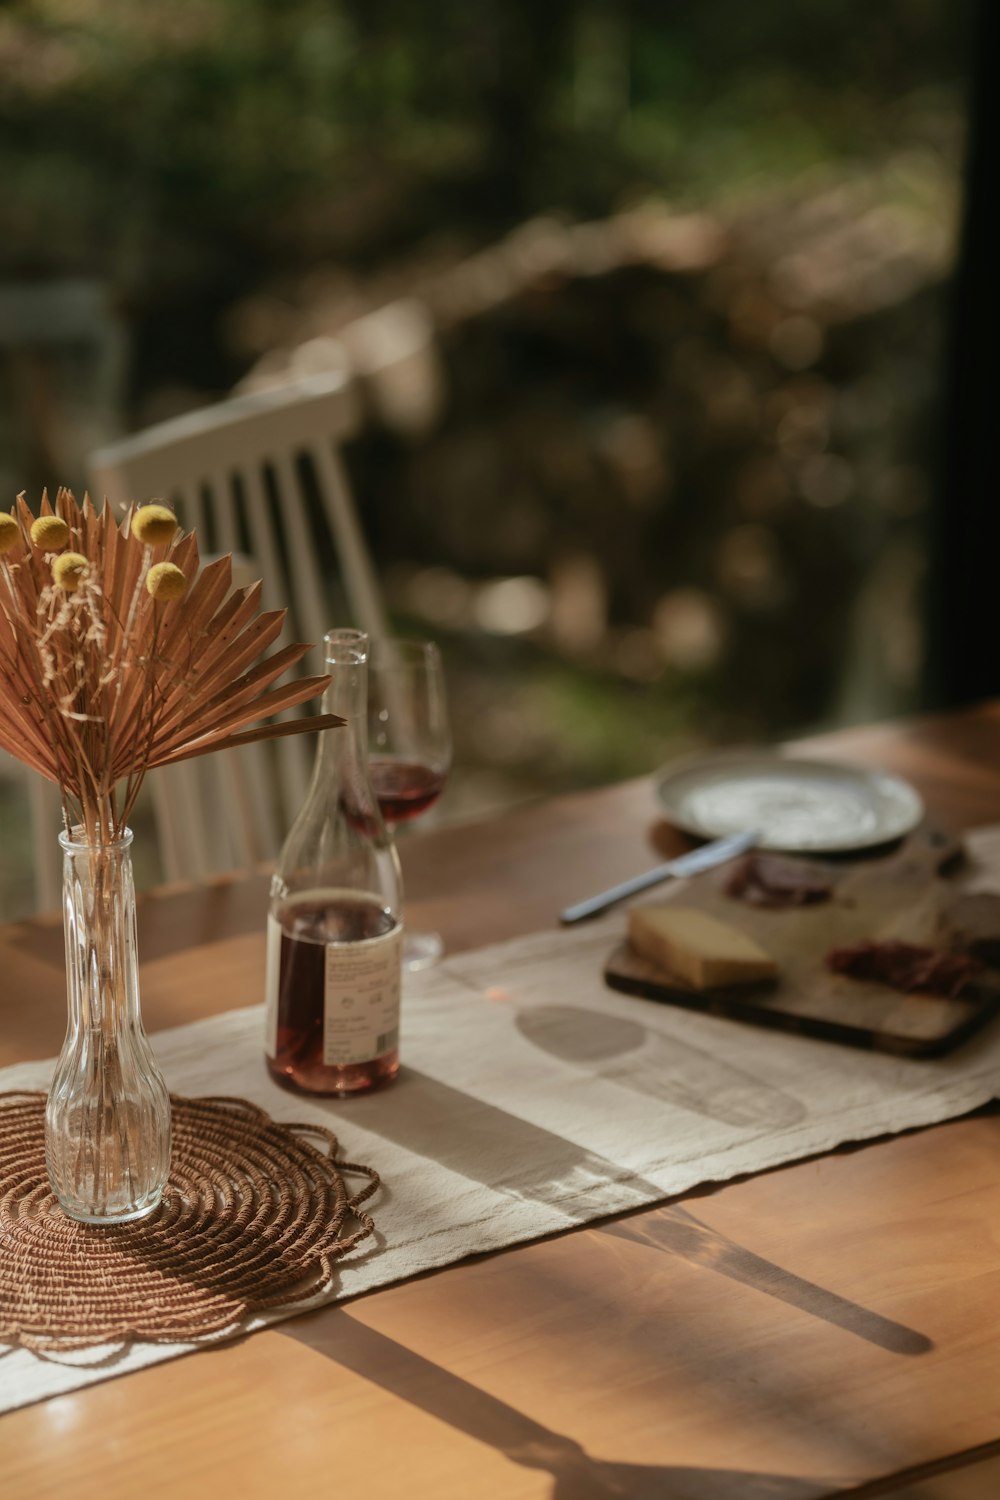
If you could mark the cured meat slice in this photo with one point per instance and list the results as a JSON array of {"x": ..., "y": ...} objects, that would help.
[
  {"x": 906, "y": 966},
  {"x": 770, "y": 880}
]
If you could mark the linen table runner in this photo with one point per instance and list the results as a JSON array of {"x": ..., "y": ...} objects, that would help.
[{"x": 534, "y": 1099}]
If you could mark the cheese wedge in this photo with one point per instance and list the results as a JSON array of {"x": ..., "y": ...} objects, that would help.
[{"x": 697, "y": 950}]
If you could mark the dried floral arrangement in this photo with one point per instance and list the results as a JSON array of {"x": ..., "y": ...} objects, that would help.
[{"x": 117, "y": 654}]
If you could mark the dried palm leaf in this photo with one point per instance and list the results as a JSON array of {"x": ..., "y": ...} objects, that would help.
[{"x": 117, "y": 653}]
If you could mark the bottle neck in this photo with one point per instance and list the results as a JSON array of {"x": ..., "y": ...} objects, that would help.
[
  {"x": 339, "y": 840},
  {"x": 345, "y": 748}
]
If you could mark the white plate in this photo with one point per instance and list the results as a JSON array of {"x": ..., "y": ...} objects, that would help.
[{"x": 797, "y": 804}]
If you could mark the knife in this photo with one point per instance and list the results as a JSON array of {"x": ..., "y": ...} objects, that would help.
[{"x": 704, "y": 858}]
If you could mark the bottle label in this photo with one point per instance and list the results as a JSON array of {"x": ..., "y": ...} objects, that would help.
[
  {"x": 361, "y": 1000},
  {"x": 272, "y": 982}
]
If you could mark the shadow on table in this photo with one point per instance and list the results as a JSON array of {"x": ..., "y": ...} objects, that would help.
[
  {"x": 667, "y": 1068},
  {"x": 674, "y": 1230},
  {"x": 463, "y": 1406},
  {"x": 520, "y": 1160}
]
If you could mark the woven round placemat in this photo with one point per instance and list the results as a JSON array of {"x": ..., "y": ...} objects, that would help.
[{"x": 254, "y": 1217}]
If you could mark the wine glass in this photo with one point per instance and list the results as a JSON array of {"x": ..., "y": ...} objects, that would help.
[{"x": 409, "y": 748}]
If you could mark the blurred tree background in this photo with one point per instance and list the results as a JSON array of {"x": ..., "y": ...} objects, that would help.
[{"x": 686, "y": 271}]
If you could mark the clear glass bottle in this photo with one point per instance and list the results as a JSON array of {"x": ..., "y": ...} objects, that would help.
[{"x": 334, "y": 931}]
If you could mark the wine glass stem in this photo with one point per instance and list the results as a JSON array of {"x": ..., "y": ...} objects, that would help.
[{"x": 421, "y": 950}]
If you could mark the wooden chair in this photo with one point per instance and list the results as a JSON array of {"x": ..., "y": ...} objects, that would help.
[{"x": 259, "y": 476}]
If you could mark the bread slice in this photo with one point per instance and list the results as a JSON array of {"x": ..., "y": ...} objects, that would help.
[{"x": 697, "y": 950}]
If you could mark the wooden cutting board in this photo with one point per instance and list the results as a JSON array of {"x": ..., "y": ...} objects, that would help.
[{"x": 908, "y": 894}]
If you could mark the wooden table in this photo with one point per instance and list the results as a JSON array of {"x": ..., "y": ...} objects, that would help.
[{"x": 746, "y": 1359}]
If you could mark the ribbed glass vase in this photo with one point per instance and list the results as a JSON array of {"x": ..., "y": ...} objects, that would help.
[{"x": 107, "y": 1122}]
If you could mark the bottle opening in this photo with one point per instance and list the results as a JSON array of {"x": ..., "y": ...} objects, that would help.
[{"x": 346, "y": 648}]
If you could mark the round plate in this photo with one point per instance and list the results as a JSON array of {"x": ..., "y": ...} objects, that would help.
[{"x": 796, "y": 804}]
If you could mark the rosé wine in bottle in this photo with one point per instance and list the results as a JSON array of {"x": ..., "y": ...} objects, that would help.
[
  {"x": 336, "y": 1017},
  {"x": 334, "y": 937}
]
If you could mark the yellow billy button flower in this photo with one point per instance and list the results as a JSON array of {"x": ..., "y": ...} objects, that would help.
[
  {"x": 154, "y": 524},
  {"x": 9, "y": 532},
  {"x": 49, "y": 533},
  {"x": 165, "y": 581},
  {"x": 70, "y": 570}
]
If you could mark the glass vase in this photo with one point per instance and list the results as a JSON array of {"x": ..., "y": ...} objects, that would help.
[{"x": 107, "y": 1122}]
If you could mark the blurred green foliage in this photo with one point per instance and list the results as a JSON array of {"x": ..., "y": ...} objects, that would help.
[{"x": 197, "y": 137}]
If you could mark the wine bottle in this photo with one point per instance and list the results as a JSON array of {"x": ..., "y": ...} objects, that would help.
[{"x": 334, "y": 934}]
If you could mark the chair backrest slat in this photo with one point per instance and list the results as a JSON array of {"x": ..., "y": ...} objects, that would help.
[
  {"x": 293, "y": 755},
  {"x": 224, "y": 509},
  {"x": 311, "y": 615},
  {"x": 363, "y": 593},
  {"x": 263, "y": 537},
  {"x": 190, "y": 503},
  {"x": 182, "y": 818}
]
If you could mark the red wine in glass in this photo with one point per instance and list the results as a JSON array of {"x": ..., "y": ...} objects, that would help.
[
  {"x": 409, "y": 748},
  {"x": 312, "y": 1029},
  {"x": 404, "y": 788}
]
